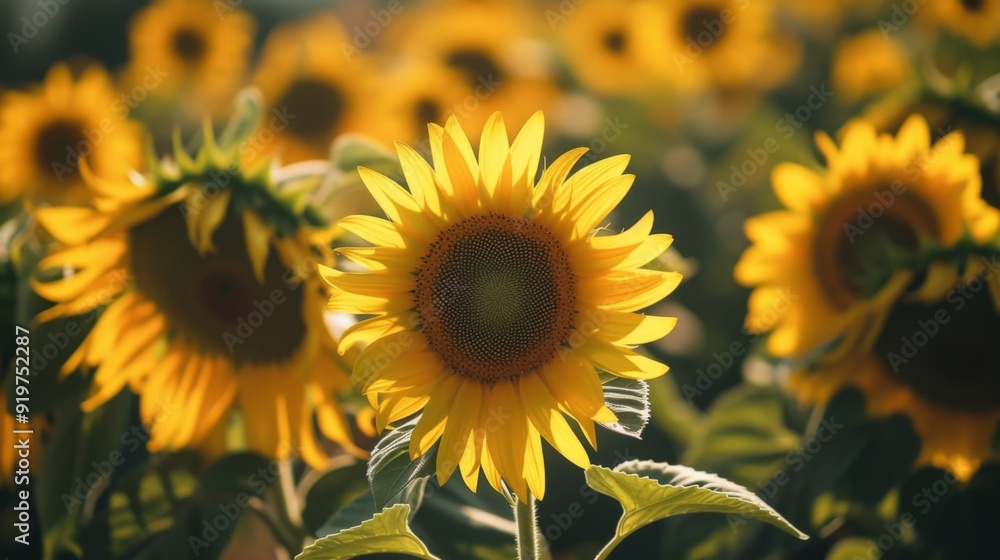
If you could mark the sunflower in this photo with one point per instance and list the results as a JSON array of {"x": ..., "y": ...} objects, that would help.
[
  {"x": 933, "y": 363},
  {"x": 978, "y": 21},
  {"x": 868, "y": 63},
  {"x": 219, "y": 318},
  {"x": 495, "y": 300},
  {"x": 201, "y": 50},
  {"x": 315, "y": 86},
  {"x": 830, "y": 267},
  {"x": 45, "y": 132},
  {"x": 980, "y": 129},
  {"x": 491, "y": 46},
  {"x": 727, "y": 44},
  {"x": 603, "y": 47},
  {"x": 413, "y": 95}
]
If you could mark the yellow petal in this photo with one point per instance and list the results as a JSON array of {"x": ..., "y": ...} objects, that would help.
[{"x": 258, "y": 239}]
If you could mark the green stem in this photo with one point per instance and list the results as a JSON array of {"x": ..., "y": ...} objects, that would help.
[
  {"x": 289, "y": 514},
  {"x": 527, "y": 533},
  {"x": 606, "y": 551}
]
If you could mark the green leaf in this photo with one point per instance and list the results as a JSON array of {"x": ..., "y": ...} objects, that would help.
[
  {"x": 332, "y": 492},
  {"x": 650, "y": 491},
  {"x": 139, "y": 513},
  {"x": 629, "y": 400},
  {"x": 387, "y": 532},
  {"x": 744, "y": 436},
  {"x": 390, "y": 469}
]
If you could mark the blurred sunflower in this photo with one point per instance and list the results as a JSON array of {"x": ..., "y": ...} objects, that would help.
[
  {"x": 315, "y": 86},
  {"x": 495, "y": 300},
  {"x": 604, "y": 49},
  {"x": 491, "y": 47},
  {"x": 202, "y": 53},
  {"x": 219, "y": 314},
  {"x": 932, "y": 363},
  {"x": 729, "y": 44},
  {"x": 868, "y": 63},
  {"x": 978, "y": 21},
  {"x": 829, "y": 267},
  {"x": 980, "y": 129},
  {"x": 413, "y": 95},
  {"x": 45, "y": 132}
]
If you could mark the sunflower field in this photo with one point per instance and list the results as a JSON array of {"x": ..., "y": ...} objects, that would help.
[{"x": 500, "y": 279}]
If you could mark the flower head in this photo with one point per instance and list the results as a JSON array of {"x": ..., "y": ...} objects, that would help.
[{"x": 496, "y": 302}]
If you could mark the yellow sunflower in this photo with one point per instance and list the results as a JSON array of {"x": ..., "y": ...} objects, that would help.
[
  {"x": 495, "y": 300},
  {"x": 220, "y": 316},
  {"x": 195, "y": 49},
  {"x": 606, "y": 52},
  {"x": 45, "y": 133},
  {"x": 933, "y": 362},
  {"x": 315, "y": 84},
  {"x": 413, "y": 95},
  {"x": 978, "y": 21},
  {"x": 827, "y": 269},
  {"x": 492, "y": 46},
  {"x": 868, "y": 63},
  {"x": 981, "y": 130},
  {"x": 727, "y": 44}
]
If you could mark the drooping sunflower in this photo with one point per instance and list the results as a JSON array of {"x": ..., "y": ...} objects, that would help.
[
  {"x": 491, "y": 46},
  {"x": 316, "y": 84},
  {"x": 829, "y": 267},
  {"x": 726, "y": 44},
  {"x": 604, "y": 47},
  {"x": 46, "y": 131},
  {"x": 868, "y": 63},
  {"x": 220, "y": 317},
  {"x": 978, "y": 21},
  {"x": 933, "y": 363},
  {"x": 196, "y": 50},
  {"x": 496, "y": 301}
]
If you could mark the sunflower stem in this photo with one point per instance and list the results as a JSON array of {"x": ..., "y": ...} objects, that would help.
[
  {"x": 527, "y": 532},
  {"x": 289, "y": 515}
]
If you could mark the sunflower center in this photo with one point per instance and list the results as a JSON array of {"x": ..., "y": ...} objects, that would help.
[
  {"x": 319, "y": 106},
  {"x": 942, "y": 352},
  {"x": 615, "y": 41},
  {"x": 972, "y": 5},
  {"x": 703, "y": 19},
  {"x": 862, "y": 235},
  {"x": 427, "y": 111},
  {"x": 496, "y": 296},
  {"x": 214, "y": 301},
  {"x": 52, "y": 144},
  {"x": 476, "y": 65},
  {"x": 189, "y": 45}
]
